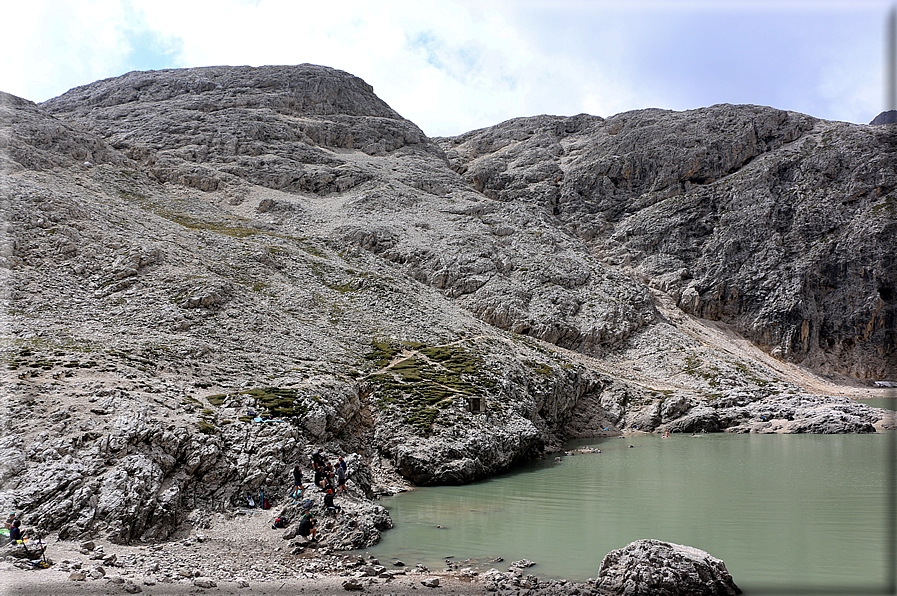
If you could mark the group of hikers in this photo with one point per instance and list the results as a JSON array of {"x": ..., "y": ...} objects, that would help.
[{"x": 329, "y": 479}]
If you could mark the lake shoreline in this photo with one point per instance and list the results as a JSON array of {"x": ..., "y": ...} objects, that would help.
[
  {"x": 252, "y": 564},
  {"x": 234, "y": 550}
]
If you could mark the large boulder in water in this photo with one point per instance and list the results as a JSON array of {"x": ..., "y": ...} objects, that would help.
[{"x": 656, "y": 568}]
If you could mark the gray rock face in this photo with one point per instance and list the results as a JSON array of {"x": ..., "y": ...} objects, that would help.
[
  {"x": 31, "y": 140},
  {"x": 272, "y": 126},
  {"x": 655, "y": 568},
  {"x": 745, "y": 413},
  {"x": 138, "y": 481},
  {"x": 888, "y": 117},
  {"x": 774, "y": 222},
  {"x": 301, "y": 129}
]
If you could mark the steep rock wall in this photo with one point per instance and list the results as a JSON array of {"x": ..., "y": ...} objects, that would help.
[{"x": 775, "y": 222}]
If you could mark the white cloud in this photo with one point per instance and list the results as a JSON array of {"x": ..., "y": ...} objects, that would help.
[
  {"x": 455, "y": 65},
  {"x": 438, "y": 63},
  {"x": 48, "y": 47}
]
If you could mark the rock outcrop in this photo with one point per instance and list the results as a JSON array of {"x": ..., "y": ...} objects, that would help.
[
  {"x": 655, "y": 568},
  {"x": 136, "y": 481},
  {"x": 206, "y": 273},
  {"x": 774, "y": 222}
]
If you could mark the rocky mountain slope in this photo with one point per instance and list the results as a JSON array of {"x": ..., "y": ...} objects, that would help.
[
  {"x": 776, "y": 223},
  {"x": 186, "y": 252}
]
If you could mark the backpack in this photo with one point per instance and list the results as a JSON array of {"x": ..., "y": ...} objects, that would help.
[
  {"x": 278, "y": 523},
  {"x": 266, "y": 504}
]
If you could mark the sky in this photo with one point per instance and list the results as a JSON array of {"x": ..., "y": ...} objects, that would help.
[{"x": 451, "y": 66}]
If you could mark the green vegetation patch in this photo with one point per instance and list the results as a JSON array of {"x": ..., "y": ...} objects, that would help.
[
  {"x": 192, "y": 223},
  {"x": 382, "y": 353},
  {"x": 280, "y": 402},
  {"x": 277, "y": 402},
  {"x": 306, "y": 245},
  {"x": 540, "y": 367},
  {"x": 217, "y": 399},
  {"x": 692, "y": 364},
  {"x": 889, "y": 203},
  {"x": 421, "y": 388},
  {"x": 146, "y": 359},
  {"x": 131, "y": 196},
  {"x": 27, "y": 358}
]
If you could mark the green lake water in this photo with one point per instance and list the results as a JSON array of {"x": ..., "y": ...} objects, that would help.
[
  {"x": 888, "y": 403},
  {"x": 783, "y": 511}
]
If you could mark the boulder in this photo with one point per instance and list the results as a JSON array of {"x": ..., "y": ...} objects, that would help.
[
  {"x": 204, "y": 582},
  {"x": 656, "y": 568},
  {"x": 16, "y": 551},
  {"x": 522, "y": 564},
  {"x": 353, "y": 584}
]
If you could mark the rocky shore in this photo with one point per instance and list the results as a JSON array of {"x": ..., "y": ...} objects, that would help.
[{"x": 238, "y": 559}]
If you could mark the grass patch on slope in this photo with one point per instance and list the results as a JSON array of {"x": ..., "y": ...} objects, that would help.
[{"x": 426, "y": 387}]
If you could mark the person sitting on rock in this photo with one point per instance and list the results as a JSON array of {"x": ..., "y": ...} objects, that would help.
[
  {"x": 319, "y": 477},
  {"x": 326, "y": 478},
  {"x": 330, "y": 505},
  {"x": 16, "y": 533},
  {"x": 317, "y": 460},
  {"x": 307, "y": 526},
  {"x": 10, "y": 520}
]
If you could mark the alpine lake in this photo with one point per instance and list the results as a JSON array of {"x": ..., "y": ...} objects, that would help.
[{"x": 789, "y": 514}]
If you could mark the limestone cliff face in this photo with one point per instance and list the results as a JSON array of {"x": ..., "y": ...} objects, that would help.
[
  {"x": 185, "y": 252},
  {"x": 774, "y": 222}
]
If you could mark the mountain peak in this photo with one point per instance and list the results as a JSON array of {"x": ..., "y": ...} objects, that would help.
[{"x": 304, "y": 89}]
